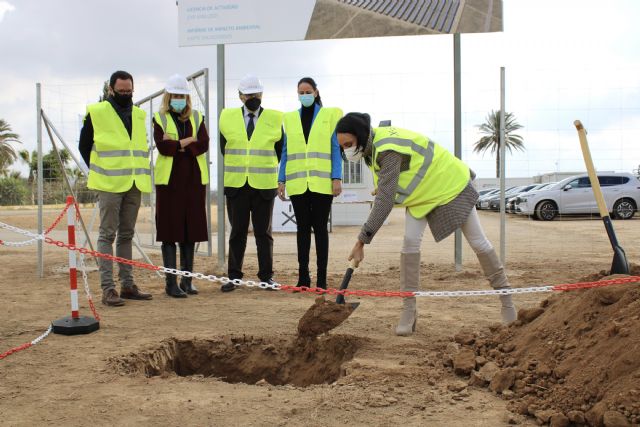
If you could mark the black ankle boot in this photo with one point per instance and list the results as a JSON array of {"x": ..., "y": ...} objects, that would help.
[
  {"x": 187, "y": 251},
  {"x": 304, "y": 279},
  {"x": 169, "y": 260},
  {"x": 322, "y": 278}
]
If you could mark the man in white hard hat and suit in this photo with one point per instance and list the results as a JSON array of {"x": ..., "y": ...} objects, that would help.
[{"x": 251, "y": 139}]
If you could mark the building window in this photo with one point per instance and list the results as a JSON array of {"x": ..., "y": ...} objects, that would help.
[{"x": 352, "y": 172}]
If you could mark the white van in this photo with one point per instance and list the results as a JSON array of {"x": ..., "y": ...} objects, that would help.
[{"x": 574, "y": 195}]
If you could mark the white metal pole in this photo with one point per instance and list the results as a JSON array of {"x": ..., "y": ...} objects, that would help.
[
  {"x": 503, "y": 244},
  {"x": 208, "y": 157},
  {"x": 221, "y": 207},
  {"x": 39, "y": 177},
  {"x": 457, "y": 133}
]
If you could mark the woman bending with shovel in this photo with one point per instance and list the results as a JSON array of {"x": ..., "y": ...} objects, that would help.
[{"x": 435, "y": 188}]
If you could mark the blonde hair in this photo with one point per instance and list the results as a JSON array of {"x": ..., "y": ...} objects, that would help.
[{"x": 165, "y": 107}]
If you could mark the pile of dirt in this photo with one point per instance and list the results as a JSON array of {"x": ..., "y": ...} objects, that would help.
[
  {"x": 574, "y": 360},
  {"x": 245, "y": 359},
  {"x": 322, "y": 317}
]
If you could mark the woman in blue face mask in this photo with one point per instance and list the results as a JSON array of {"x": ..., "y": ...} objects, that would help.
[
  {"x": 181, "y": 174},
  {"x": 311, "y": 175}
]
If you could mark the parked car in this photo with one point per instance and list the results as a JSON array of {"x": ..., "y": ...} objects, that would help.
[
  {"x": 494, "y": 202},
  {"x": 514, "y": 201},
  {"x": 574, "y": 195},
  {"x": 485, "y": 191},
  {"x": 480, "y": 204}
]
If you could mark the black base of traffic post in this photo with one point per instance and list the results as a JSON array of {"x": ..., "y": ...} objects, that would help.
[{"x": 70, "y": 326}]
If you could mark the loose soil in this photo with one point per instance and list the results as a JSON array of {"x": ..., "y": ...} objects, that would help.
[
  {"x": 236, "y": 358},
  {"x": 574, "y": 358},
  {"x": 322, "y": 317}
]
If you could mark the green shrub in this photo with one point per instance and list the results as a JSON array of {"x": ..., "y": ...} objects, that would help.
[{"x": 13, "y": 191}]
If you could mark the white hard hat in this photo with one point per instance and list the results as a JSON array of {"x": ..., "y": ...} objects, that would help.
[
  {"x": 177, "y": 85},
  {"x": 250, "y": 84}
]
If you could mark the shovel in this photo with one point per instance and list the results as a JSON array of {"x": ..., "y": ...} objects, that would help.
[
  {"x": 620, "y": 265},
  {"x": 345, "y": 284},
  {"x": 325, "y": 315}
]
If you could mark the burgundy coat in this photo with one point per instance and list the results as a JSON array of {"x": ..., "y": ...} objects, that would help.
[{"x": 181, "y": 214}]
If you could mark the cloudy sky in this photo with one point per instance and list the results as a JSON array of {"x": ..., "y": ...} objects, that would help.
[{"x": 565, "y": 60}]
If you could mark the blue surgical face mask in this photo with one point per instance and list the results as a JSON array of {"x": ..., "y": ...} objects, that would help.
[
  {"x": 307, "y": 99},
  {"x": 178, "y": 104}
]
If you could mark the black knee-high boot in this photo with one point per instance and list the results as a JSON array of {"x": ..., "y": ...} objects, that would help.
[
  {"x": 187, "y": 251},
  {"x": 169, "y": 260}
]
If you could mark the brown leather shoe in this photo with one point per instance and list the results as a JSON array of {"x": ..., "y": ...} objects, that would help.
[
  {"x": 133, "y": 292},
  {"x": 110, "y": 297}
]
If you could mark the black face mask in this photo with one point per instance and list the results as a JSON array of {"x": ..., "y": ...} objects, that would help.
[
  {"x": 253, "y": 104},
  {"x": 122, "y": 100}
]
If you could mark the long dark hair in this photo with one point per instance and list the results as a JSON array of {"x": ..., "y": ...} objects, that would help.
[{"x": 313, "y": 84}]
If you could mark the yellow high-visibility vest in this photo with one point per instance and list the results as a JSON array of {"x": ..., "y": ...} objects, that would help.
[
  {"x": 162, "y": 169},
  {"x": 435, "y": 176},
  {"x": 254, "y": 161},
  {"x": 118, "y": 161},
  {"x": 309, "y": 163}
]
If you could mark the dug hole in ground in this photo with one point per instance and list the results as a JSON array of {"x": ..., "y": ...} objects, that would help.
[{"x": 237, "y": 358}]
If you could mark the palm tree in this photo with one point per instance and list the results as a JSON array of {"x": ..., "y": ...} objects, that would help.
[
  {"x": 7, "y": 152},
  {"x": 491, "y": 139}
]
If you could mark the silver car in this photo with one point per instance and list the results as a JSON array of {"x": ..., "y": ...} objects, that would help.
[{"x": 574, "y": 195}]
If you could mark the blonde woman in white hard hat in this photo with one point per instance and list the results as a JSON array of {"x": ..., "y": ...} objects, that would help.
[
  {"x": 251, "y": 143},
  {"x": 181, "y": 174}
]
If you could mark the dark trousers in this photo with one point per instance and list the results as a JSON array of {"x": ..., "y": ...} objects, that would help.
[
  {"x": 244, "y": 203},
  {"x": 312, "y": 211}
]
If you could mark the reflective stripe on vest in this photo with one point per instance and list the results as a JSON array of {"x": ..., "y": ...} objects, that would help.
[
  {"x": 309, "y": 162},
  {"x": 427, "y": 158},
  {"x": 435, "y": 176},
  {"x": 164, "y": 164},
  {"x": 117, "y": 160},
  {"x": 254, "y": 161},
  {"x": 120, "y": 153}
]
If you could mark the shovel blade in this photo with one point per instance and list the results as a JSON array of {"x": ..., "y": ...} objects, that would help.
[{"x": 620, "y": 265}]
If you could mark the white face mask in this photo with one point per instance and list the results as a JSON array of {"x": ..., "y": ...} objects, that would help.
[{"x": 353, "y": 154}]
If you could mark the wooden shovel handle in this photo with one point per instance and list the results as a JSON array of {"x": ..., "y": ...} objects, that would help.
[{"x": 591, "y": 170}]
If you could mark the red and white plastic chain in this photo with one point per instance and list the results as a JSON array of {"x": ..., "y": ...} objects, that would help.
[
  {"x": 26, "y": 345},
  {"x": 347, "y": 292},
  {"x": 319, "y": 291},
  {"x": 35, "y": 239}
]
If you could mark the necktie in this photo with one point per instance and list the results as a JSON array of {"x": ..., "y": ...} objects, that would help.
[{"x": 250, "y": 126}]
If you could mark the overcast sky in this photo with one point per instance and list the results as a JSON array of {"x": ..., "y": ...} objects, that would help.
[{"x": 564, "y": 60}]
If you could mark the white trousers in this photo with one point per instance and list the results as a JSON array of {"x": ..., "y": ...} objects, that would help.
[{"x": 471, "y": 229}]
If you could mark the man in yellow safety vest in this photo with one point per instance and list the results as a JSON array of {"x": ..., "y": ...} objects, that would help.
[
  {"x": 251, "y": 142},
  {"x": 113, "y": 144}
]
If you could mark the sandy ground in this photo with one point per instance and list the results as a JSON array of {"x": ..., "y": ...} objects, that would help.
[{"x": 390, "y": 380}]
